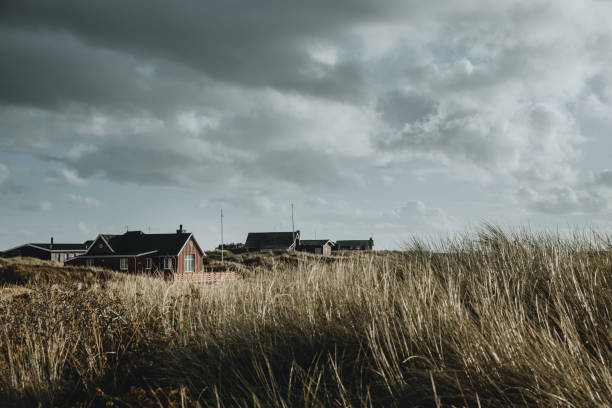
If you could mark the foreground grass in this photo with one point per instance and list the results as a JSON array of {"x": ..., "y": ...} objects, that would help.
[{"x": 512, "y": 321}]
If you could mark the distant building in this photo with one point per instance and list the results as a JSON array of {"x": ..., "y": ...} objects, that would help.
[
  {"x": 49, "y": 251},
  {"x": 316, "y": 246},
  {"x": 269, "y": 241},
  {"x": 176, "y": 255},
  {"x": 354, "y": 245}
]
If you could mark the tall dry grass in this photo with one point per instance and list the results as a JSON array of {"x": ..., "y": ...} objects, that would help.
[{"x": 503, "y": 320}]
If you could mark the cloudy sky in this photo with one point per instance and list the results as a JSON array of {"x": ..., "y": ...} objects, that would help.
[{"x": 384, "y": 119}]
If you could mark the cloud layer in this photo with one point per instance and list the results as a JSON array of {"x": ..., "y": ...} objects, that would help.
[{"x": 313, "y": 99}]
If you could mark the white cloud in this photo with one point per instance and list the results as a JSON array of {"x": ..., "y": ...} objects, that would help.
[
  {"x": 85, "y": 201},
  {"x": 7, "y": 185},
  {"x": 67, "y": 176},
  {"x": 83, "y": 229},
  {"x": 4, "y": 174},
  {"x": 43, "y": 206},
  {"x": 590, "y": 195},
  {"x": 195, "y": 123},
  {"x": 418, "y": 216}
]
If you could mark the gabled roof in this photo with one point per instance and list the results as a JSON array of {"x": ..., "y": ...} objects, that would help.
[
  {"x": 354, "y": 242},
  {"x": 315, "y": 242},
  {"x": 271, "y": 240},
  {"x": 56, "y": 247},
  {"x": 137, "y": 242}
]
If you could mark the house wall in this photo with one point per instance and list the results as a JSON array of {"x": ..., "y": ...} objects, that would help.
[
  {"x": 191, "y": 248},
  {"x": 63, "y": 256},
  {"x": 327, "y": 249},
  {"x": 114, "y": 263}
]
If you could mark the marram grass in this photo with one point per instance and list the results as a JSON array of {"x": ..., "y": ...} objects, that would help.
[{"x": 501, "y": 320}]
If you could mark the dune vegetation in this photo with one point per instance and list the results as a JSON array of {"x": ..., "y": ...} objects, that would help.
[{"x": 482, "y": 321}]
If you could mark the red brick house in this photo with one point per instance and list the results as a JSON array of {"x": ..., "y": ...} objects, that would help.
[{"x": 175, "y": 255}]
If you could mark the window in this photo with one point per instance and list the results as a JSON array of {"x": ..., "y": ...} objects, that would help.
[
  {"x": 89, "y": 262},
  {"x": 167, "y": 263},
  {"x": 123, "y": 264},
  {"x": 149, "y": 263},
  {"x": 189, "y": 262}
]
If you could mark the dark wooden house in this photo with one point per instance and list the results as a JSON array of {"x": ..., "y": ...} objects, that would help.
[
  {"x": 49, "y": 251},
  {"x": 177, "y": 255},
  {"x": 270, "y": 241},
  {"x": 354, "y": 245},
  {"x": 316, "y": 246}
]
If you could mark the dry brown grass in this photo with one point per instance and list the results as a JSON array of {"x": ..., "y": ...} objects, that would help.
[{"x": 510, "y": 321}]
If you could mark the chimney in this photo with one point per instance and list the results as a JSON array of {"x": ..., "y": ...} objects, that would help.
[
  {"x": 51, "y": 246},
  {"x": 180, "y": 230}
]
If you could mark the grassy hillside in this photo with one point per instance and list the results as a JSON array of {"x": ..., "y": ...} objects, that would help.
[{"x": 510, "y": 321}]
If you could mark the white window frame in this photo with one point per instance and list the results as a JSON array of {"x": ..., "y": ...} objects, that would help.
[
  {"x": 123, "y": 264},
  {"x": 168, "y": 263},
  {"x": 191, "y": 259},
  {"x": 89, "y": 262},
  {"x": 148, "y": 263}
]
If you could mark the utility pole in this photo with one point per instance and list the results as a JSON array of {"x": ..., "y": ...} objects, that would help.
[
  {"x": 292, "y": 224},
  {"x": 221, "y": 235}
]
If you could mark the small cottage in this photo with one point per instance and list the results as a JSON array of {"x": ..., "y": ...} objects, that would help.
[
  {"x": 270, "y": 241},
  {"x": 316, "y": 246},
  {"x": 49, "y": 251},
  {"x": 354, "y": 245}
]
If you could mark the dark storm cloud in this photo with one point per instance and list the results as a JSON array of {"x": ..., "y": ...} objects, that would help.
[
  {"x": 263, "y": 44},
  {"x": 54, "y": 70}
]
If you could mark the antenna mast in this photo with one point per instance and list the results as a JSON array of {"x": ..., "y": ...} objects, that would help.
[
  {"x": 221, "y": 235},
  {"x": 292, "y": 224}
]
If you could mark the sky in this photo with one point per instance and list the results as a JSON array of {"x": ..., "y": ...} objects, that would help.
[{"x": 375, "y": 119}]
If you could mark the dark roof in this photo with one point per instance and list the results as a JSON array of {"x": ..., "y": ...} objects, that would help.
[
  {"x": 137, "y": 242},
  {"x": 61, "y": 247},
  {"x": 355, "y": 242},
  {"x": 315, "y": 242},
  {"x": 270, "y": 240}
]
